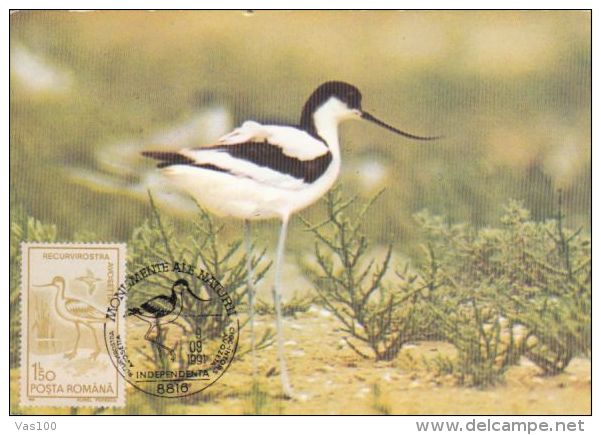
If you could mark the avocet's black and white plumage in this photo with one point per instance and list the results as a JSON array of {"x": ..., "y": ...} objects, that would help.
[
  {"x": 271, "y": 171},
  {"x": 77, "y": 311},
  {"x": 162, "y": 310}
]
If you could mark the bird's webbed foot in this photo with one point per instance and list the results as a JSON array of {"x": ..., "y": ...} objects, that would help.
[
  {"x": 94, "y": 355},
  {"x": 70, "y": 355}
]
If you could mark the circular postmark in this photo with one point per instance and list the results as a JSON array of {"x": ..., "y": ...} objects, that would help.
[{"x": 181, "y": 325}]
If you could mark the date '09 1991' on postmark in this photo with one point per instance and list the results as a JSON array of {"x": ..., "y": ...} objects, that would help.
[{"x": 65, "y": 289}]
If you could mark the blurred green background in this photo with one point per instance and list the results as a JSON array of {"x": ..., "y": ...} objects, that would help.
[{"x": 510, "y": 92}]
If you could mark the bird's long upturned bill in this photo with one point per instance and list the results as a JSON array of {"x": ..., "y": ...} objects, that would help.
[{"x": 369, "y": 117}]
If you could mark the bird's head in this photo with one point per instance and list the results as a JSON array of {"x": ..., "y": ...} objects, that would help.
[
  {"x": 180, "y": 285},
  {"x": 341, "y": 101},
  {"x": 57, "y": 281}
]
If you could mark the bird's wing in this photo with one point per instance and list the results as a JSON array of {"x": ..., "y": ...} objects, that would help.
[
  {"x": 278, "y": 156},
  {"x": 292, "y": 141},
  {"x": 159, "y": 305},
  {"x": 91, "y": 275},
  {"x": 248, "y": 131},
  {"x": 83, "y": 310}
]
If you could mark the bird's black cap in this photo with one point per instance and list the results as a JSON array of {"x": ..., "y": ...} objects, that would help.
[
  {"x": 345, "y": 92},
  {"x": 181, "y": 282}
]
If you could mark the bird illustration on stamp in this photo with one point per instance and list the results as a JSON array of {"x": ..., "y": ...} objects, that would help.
[
  {"x": 76, "y": 311},
  {"x": 90, "y": 280}
]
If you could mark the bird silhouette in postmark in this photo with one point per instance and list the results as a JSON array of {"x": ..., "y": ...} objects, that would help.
[{"x": 162, "y": 310}]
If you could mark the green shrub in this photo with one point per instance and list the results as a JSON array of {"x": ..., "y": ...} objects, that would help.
[
  {"x": 549, "y": 287},
  {"x": 351, "y": 286},
  {"x": 466, "y": 298},
  {"x": 156, "y": 240},
  {"x": 498, "y": 294}
]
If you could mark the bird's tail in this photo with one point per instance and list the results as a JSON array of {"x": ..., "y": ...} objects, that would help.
[
  {"x": 168, "y": 158},
  {"x": 133, "y": 311}
]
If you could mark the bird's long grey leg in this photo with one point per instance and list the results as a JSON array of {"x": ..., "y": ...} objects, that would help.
[
  {"x": 251, "y": 295},
  {"x": 186, "y": 332},
  {"x": 97, "y": 349},
  {"x": 71, "y": 355},
  {"x": 157, "y": 338},
  {"x": 147, "y": 335},
  {"x": 286, "y": 388},
  {"x": 158, "y": 342}
]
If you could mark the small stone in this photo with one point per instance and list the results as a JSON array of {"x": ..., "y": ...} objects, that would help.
[
  {"x": 313, "y": 309},
  {"x": 362, "y": 392},
  {"x": 325, "y": 313},
  {"x": 302, "y": 397}
]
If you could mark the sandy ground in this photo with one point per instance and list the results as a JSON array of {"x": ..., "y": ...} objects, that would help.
[{"x": 329, "y": 378}]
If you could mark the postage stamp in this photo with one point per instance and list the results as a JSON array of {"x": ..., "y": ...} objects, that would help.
[
  {"x": 182, "y": 329},
  {"x": 65, "y": 289}
]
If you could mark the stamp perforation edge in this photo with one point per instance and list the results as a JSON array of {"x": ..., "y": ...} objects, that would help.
[{"x": 23, "y": 305}]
